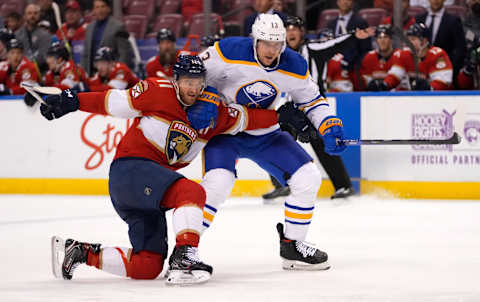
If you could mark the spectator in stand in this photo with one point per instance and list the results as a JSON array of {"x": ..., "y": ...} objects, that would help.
[
  {"x": 161, "y": 65},
  {"x": 261, "y": 7},
  {"x": 348, "y": 21},
  {"x": 46, "y": 13},
  {"x": 446, "y": 32},
  {"x": 472, "y": 22},
  {"x": 110, "y": 74},
  {"x": 190, "y": 8},
  {"x": 407, "y": 20},
  {"x": 277, "y": 5},
  {"x": 434, "y": 66},
  {"x": 34, "y": 39},
  {"x": 13, "y": 21},
  {"x": 426, "y": 3},
  {"x": 74, "y": 27},
  {"x": 63, "y": 72},
  {"x": 15, "y": 70},
  {"x": 5, "y": 36},
  {"x": 377, "y": 63},
  {"x": 469, "y": 76},
  {"x": 105, "y": 31}
]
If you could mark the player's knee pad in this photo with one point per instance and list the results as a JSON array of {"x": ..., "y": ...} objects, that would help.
[
  {"x": 305, "y": 182},
  {"x": 218, "y": 184},
  {"x": 188, "y": 192},
  {"x": 145, "y": 265}
]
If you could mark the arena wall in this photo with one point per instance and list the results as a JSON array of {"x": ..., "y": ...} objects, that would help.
[{"x": 72, "y": 155}]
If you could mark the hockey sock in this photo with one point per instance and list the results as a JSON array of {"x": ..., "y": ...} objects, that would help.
[
  {"x": 123, "y": 262},
  {"x": 187, "y": 223}
]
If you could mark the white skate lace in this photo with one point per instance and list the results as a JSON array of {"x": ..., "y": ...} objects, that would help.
[
  {"x": 192, "y": 255},
  {"x": 305, "y": 248}
]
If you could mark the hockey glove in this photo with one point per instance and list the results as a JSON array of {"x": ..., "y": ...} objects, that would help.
[
  {"x": 420, "y": 84},
  {"x": 59, "y": 104},
  {"x": 203, "y": 114},
  {"x": 295, "y": 122},
  {"x": 378, "y": 85},
  {"x": 331, "y": 130}
]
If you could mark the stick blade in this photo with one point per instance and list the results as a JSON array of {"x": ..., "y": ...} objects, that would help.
[{"x": 47, "y": 90}]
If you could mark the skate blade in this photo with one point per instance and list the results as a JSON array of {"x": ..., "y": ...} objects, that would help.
[
  {"x": 302, "y": 266},
  {"x": 58, "y": 253},
  {"x": 184, "y": 277}
]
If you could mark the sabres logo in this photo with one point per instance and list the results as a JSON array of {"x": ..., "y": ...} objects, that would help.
[
  {"x": 258, "y": 94},
  {"x": 180, "y": 138}
]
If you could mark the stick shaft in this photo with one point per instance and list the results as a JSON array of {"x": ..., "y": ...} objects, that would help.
[{"x": 455, "y": 139}]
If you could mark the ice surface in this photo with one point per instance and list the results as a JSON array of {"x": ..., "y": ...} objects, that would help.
[{"x": 379, "y": 249}]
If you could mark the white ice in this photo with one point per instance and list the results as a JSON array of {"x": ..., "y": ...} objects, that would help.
[{"x": 379, "y": 249}]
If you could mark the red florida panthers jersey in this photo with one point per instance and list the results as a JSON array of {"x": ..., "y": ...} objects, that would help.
[
  {"x": 25, "y": 72},
  {"x": 69, "y": 76},
  {"x": 161, "y": 130},
  {"x": 436, "y": 67},
  {"x": 120, "y": 77},
  {"x": 375, "y": 67},
  {"x": 338, "y": 79}
]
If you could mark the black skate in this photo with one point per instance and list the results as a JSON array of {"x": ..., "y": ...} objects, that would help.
[
  {"x": 343, "y": 193},
  {"x": 186, "y": 268},
  {"x": 298, "y": 255},
  {"x": 278, "y": 192},
  {"x": 74, "y": 254}
]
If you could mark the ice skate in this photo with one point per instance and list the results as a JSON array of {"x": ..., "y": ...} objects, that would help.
[
  {"x": 276, "y": 195},
  {"x": 186, "y": 268},
  {"x": 67, "y": 255},
  {"x": 299, "y": 255},
  {"x": 343, "y": 193}
]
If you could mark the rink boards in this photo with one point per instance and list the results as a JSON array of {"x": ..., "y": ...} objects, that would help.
[{"x": 72, "y": 155}]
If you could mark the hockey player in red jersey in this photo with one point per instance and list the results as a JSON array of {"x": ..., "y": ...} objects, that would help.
[
  {"x": 16, "y": 69},
  {"x": 63, "y": 72},
  {"x": 173, "y": 121},
  {"x": 434, "y": 67},
  {"x": 338, "y": 78},
  {"x": 378, "y": 62},
  {"x": 110, "y": 74}
]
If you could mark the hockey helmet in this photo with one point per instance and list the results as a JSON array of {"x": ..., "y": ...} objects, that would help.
[
  {"x": 14, "y": 43},
  {"x": 104, "y": 54},
  {"x": 383, "y": 29},
  {"x": 419, "y": 30},
  {"x": 58, "y": 50},
  {"x": 268, "y": 27},
  {"x": 295, "y": 22},
  {"x": 208, "y": 41},
  {"x": 165, "y": 34},
  {"x": 191, "y": 66}
]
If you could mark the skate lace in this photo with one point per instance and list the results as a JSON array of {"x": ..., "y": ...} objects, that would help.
[
  {"x": 192, "y": 255},
  {"x": 305, "y": 248}
]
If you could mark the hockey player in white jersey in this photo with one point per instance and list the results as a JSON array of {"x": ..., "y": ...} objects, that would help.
[{"x": 252, "y": 72}]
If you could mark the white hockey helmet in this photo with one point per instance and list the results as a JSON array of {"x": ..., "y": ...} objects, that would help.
[{"x": 268, "y": 27}]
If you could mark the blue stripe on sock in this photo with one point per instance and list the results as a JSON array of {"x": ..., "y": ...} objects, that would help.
[
  {"x": 211, "y": 208},
  {"x": 205, "y": 225},
  {"x": 294, "y": 222},
  {"x": 299, "y": 208}
]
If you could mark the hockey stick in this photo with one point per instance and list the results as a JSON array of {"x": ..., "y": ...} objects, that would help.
[
  {"x": 453, "y": 140},
  {"x": 37, "y": 90}
]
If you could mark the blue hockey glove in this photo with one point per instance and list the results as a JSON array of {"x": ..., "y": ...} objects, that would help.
[
  {"x": 59, "y": 104},
  {"x": 331, "y": 129},
  {"x": 203, "y": 114}
]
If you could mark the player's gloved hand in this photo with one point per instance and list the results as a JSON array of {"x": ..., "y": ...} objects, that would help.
[
  {"x": 420, "y": 84},
  {"x": 203, "y": 114},
  {"x": 294, "y": 122},
  {"x": 331, "y": 129},
  {"x": 59, "y": 104},
  {"x": 377, "y": 85},
  {"x": 4, "y": 90}
]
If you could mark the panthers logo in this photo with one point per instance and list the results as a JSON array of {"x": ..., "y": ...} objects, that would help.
[
  {"x": 180, "y": 138},
  {"x": 258, "y": 94}
]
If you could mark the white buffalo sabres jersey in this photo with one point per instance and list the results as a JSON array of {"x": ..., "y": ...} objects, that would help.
[{"x": 233, "y": 70}]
